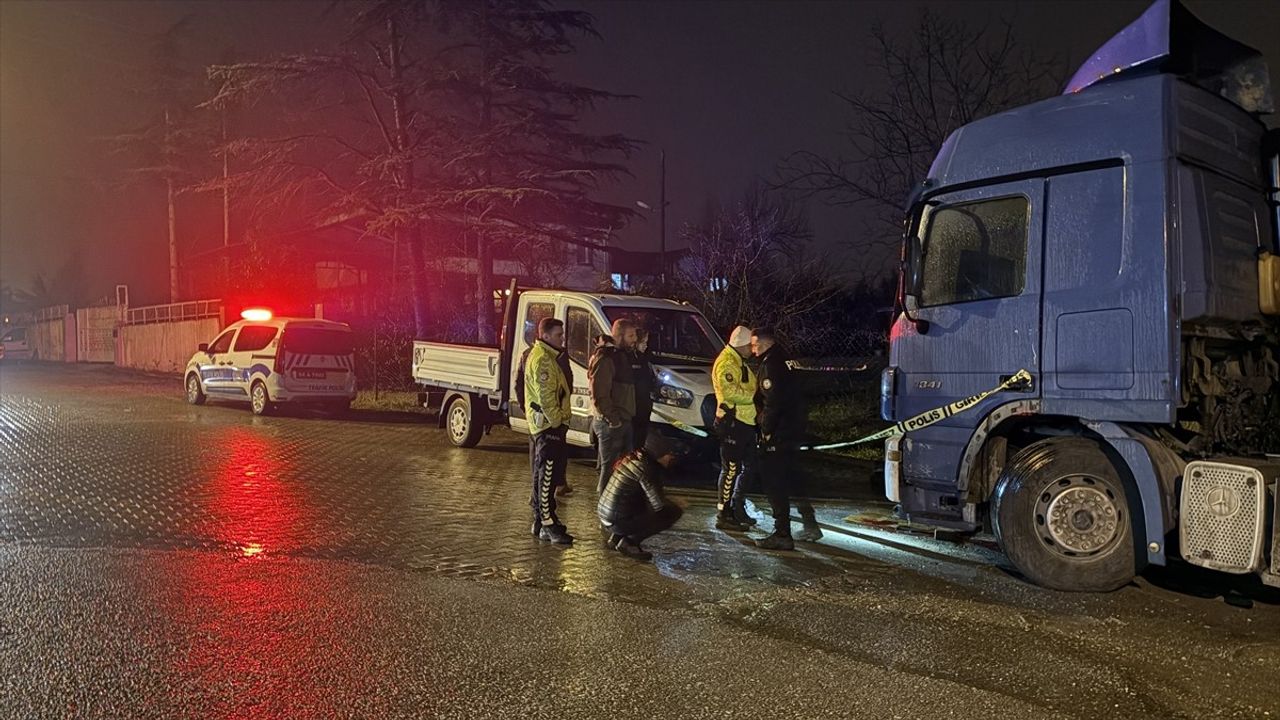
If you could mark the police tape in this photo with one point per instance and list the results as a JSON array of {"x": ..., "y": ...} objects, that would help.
[
  {"x": 923, "y": 420},
  {"x": 793, "y": 365},
  {"x": 681, "y": 426},
  {"x": 930, "y": 417}
]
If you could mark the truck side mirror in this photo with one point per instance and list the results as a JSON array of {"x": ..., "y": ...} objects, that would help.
[{"x": 203, "y": 347}]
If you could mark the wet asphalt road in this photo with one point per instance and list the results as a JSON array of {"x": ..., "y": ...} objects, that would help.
[{"x": 162, "y": 560}]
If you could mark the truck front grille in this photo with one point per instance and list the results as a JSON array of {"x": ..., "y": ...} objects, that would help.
[{"x": 1223, "y": 516}]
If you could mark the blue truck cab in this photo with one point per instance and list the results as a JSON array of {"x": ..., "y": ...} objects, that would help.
[{"x": 1119, "y": 242}]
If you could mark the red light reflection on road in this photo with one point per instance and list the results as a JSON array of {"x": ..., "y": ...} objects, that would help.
[{"x": 253, "y": 501}]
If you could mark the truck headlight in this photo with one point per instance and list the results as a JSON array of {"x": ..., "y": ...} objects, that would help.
[{"x": 675, "y": 396}]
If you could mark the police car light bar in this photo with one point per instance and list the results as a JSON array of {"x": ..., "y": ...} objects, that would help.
[{"x": 255, "y": 314}]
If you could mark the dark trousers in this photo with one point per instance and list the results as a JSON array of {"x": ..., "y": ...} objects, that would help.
[
  {"x": 550, "y": 460},
  {"x": 737, "y": 460},
  {"x": 611, "y": 444},
  {"x": 640, "y": 427},
  {"x": 783, "y": 480},
  {"x": 646, "y": 524}
]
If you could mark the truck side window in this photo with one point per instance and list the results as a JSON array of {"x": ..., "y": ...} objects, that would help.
[
  {"x": 222, "y": 344},
  {"x": 15, "y": 335},
  {"x": 254, "y": 337},
  {"x": 975, "y": 251},
  {"x": 580, "y": 332},
  {"x": 533, "y": 315}
]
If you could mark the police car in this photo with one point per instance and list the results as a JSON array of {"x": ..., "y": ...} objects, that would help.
[{"x": 271, "y": 360}]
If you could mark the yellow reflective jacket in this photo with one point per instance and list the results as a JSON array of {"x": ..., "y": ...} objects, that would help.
[
  {"x": 546, "y": 391},
  {"x": 735, "y": 386}
]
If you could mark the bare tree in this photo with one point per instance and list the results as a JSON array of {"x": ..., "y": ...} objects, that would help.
[
  {"x": 948, "y": 73},
  {"x": 349, "y": 132},
  {"x": 748, "y": 264}
]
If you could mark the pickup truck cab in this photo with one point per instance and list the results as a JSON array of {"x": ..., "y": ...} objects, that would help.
[
  {"x": 472, "y": 385},
  {"x": 270, "y": 360}
]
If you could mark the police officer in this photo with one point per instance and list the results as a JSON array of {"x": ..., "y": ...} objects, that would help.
[
  {"x": 782, "y": 418},
  {"x": 547, "y": 392},
  {"x": 735, "y": 387}
]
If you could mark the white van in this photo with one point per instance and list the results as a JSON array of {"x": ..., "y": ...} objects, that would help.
[
  {"x": 473, "y": 385},
  {"x": 268, "y": 360},
  {"x": 14, "y": 345}
]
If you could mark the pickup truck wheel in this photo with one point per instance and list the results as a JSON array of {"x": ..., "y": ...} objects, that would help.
[
  {"x": 463, "y": 430},
  {"x": 195, "y": 393},
  {"x": 259, "y": 400},
  {"x": 1062, "y": 517}
]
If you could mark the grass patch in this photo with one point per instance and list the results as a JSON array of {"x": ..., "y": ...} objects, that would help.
[
  {"x": 386, "y": 401},
  {"x": 849, "y": 416}
]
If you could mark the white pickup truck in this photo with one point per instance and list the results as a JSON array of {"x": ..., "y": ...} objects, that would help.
[{"x": 472, "y": 385}]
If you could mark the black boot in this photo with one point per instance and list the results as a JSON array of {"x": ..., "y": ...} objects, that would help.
[
  {"x": 726, "y": 521},
  {"x": 555, "y": 534},
  {"x": 632, "y": 550},
  {"x": 776, "y": 541},
  {"x": 741, "y": 516}
]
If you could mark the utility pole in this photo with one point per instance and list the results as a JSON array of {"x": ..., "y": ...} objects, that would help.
[
  {"x": 173, "y": 221},
  {"x": 662, "y": 220},
  {"x": 226, "y": 204}
]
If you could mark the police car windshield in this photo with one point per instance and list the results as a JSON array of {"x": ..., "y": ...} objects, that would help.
[
  {"x": 676, "y": 334},
  {"x": 314, "y": 341}
]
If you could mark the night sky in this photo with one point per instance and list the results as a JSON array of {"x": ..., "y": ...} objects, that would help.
[{"x": 726, "y": 88}]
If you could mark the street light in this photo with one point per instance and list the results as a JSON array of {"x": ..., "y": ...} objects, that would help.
[{"x": 662, "y": 217}]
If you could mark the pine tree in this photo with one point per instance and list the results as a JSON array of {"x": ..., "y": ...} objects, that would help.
[{"x": 523, "y": 171}]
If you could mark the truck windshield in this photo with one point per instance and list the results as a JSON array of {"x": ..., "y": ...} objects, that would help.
[
  {"x": 314, "y": 341},
  {"x": 675, "y": 334}
]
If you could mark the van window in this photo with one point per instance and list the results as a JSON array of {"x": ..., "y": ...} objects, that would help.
[
  {"x": 15, "y": 335},
  {"x": 533, "y": 316},
  {"x": 318, "y": 341},
  {"x": 581, "y": 329},
  {"x": 222, "y": 344},
  {"x": 254, "y": 337},
  {"x": 975, "y": 251}
]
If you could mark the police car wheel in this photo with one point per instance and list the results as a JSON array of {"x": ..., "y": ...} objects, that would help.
[
  {"x": 259, "y": 400},
  {"x": 195, "y": 393},
  {"x": 1061, "y": 515},
  {"x": 460, "y": 423}
]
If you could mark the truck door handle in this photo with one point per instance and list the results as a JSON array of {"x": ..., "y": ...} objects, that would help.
[{"x": 1023, "y": 387}]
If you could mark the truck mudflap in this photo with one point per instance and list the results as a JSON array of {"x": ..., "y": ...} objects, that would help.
[
  {"x": 1227, "y": 510},
  {"x": 1154, "y": 469}
]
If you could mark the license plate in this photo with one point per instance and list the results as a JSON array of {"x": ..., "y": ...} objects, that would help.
[{"x": 309, "y": 374}]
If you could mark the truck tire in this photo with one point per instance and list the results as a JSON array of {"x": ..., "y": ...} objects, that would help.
[
  {"x": 1061, "y": 514},
  {"x": 195, "y": 393},
  {"x": 461, "y": 423}
]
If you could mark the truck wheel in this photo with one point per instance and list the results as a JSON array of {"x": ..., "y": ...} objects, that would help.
[
  {"x": 195, "y": 393},
  {"x": 1061, "y": 516},
  {"x": 464, "y": 431},
  {"x": 259, "y": 400}
]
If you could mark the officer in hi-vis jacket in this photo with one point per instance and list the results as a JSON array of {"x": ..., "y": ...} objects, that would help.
[
  {"x": 735, "y": 387},
  {"x": 547, "y": 393}
]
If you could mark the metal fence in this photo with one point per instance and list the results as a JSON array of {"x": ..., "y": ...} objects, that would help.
[{"x": 173, "y": 312}]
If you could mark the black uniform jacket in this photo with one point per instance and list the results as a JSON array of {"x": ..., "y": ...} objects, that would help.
[{"x": 780, "y": 406}]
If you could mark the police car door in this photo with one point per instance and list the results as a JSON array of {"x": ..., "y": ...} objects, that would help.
[
  {"x": 215, "y": 366},
  {"x": 978, "y": 287},
  {"x": 581, "y": 330}
]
